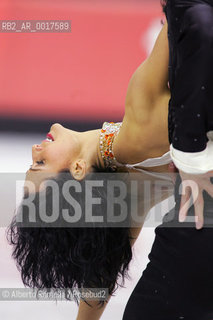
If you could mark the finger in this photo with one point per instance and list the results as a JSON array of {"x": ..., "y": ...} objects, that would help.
[
  {"x": 185, "y": 203},
  {"x": 172, "y": 167},
  {"x": 172, "y": 171},
  {"x": 198, "y": 209},
  {"x": 173, "y": 177}
]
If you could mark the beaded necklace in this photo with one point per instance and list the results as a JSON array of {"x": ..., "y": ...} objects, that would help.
[{"x": 108, "y": 133}]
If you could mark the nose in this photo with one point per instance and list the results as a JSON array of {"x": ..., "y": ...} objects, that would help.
[{"x": 36, "y": 147}]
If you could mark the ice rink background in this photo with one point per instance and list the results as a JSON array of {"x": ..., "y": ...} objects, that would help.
[{"x": 16, "y": 157}]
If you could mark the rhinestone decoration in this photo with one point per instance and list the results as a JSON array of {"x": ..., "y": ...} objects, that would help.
[{"x": 108, "y": 133}]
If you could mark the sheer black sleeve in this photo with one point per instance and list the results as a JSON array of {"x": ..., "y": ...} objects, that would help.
[{"x": 191, "y": 74}]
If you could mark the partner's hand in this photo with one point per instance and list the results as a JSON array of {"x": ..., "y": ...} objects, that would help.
[{"x": 194, "y": 184}]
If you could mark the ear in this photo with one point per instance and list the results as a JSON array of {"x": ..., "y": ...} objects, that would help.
[{"x": 78, "y": 169}]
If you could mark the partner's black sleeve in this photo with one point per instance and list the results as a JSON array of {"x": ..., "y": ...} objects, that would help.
[{"x": 190, "y": 32}]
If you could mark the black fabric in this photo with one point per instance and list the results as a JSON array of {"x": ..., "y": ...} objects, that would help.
[
  {"x": 190, "y": 33},
  {"x": 178, "y": 281}
]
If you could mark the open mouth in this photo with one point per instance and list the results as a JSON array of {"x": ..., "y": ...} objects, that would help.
[{"x": 49, "y": 137}]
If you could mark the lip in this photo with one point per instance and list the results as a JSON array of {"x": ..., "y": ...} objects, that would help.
[{"x": 49, "y": 135}]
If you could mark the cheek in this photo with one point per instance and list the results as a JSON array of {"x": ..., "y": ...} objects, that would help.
[{"x": 56, "y": 154}]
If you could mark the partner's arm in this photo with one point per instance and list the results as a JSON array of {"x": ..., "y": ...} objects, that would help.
[
  {"x": 192, "y": 94},
  {"x": 190, "y": 108}
]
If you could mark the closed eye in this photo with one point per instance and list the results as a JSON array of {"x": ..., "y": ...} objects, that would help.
[{"x": 40, "y": 162}]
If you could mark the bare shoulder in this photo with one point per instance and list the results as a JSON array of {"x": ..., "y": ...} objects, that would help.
[
  {"x": 144, "y": 134},
  {"x": 148, "y": 112}
]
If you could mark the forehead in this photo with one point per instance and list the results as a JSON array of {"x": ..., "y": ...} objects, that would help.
[{"x": 34, "y": 179}]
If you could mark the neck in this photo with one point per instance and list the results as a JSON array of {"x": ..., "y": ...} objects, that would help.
[{"x": 91, "y": 148}]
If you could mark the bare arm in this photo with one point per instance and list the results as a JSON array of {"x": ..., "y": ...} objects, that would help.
[
  {"x": 150, "y": 80},
  {"x": 86, "y": 312},
  {"x": 95, "y": 312},
  {"x": 146, "y": 107}
]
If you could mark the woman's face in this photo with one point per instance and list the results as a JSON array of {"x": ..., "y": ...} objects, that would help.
[{"x": 55, "y": 155}]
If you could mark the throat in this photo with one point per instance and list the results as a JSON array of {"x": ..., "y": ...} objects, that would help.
[{"x": 91, "y": 149}]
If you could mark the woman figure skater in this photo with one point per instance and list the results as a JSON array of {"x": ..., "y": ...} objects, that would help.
[
  {"x": 76, "y": 257},
  {"x": 180, "y": 265}
]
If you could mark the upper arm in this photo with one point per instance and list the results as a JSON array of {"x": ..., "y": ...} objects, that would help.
[
  {"x": 157, "y": 63},
  {"x": 150, "y": 80}
]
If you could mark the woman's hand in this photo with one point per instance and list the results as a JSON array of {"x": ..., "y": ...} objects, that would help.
[
  {"x": 173, "y": 170},
  {"x": 194, "y": 185}
]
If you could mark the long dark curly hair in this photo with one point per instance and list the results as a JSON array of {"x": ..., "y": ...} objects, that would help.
[{"x": 66, "y": 257}]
